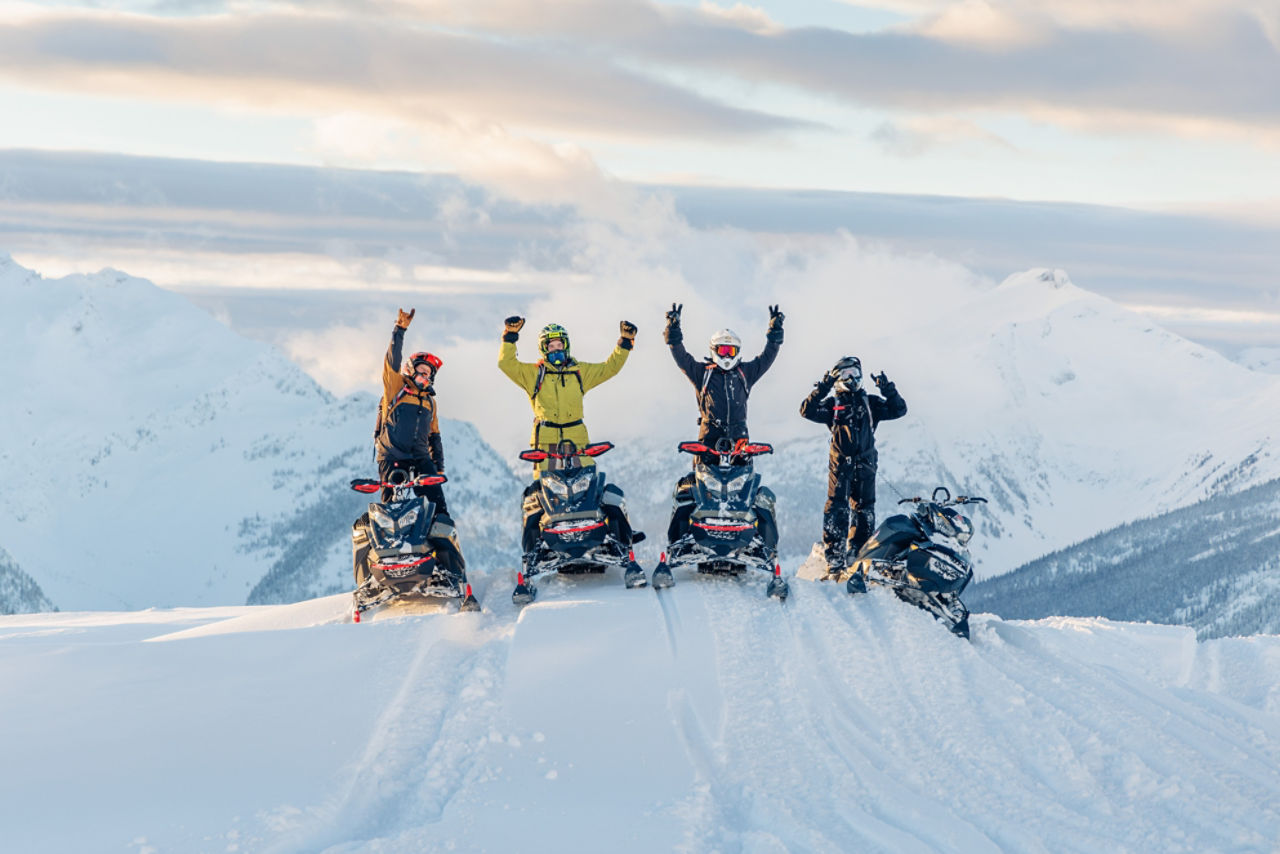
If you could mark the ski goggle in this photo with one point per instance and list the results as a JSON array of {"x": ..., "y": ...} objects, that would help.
[
  {"x": 726, "y": 351},
  {"x": 853, "y": 372}
]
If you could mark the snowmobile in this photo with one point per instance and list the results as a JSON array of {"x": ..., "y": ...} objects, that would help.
[
  {"x": 403, "y": 554},
  {"x": 584, "y": 528},
  {"x": 732, "y": 527},
  {"x": 922, "y": 556}
]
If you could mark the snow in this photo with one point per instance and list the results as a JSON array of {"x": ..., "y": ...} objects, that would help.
[{"x": 704, "y": 718}]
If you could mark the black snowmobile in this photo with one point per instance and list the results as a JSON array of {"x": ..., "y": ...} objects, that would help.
[
  {"x": 402, "y": 553},
  {"x": 923, "y": 557},
  {"x": 578, "y": 533},
  {"x": 732, "y": 527}
]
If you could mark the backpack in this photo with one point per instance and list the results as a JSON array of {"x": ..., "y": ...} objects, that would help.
[
  {"x": 706, "y": 378},
  {"x": 542, "y": 375}
]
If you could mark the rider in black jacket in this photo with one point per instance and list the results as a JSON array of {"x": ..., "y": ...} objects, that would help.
[
  {"x": 852, "y": 415},
  {"x": 722, "y": 383}
]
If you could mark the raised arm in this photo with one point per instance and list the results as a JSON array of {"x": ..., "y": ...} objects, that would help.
[
  {"x": 815, "y": 407},
  {"x": 755, "y": 369},
  {"x": 523, "y": 374},
  {"x": 889, "y": 407},
  {"x": 674, "y": 337},
  {"x": 594, "y": 373},
  {"x": 392, "y": 379}
]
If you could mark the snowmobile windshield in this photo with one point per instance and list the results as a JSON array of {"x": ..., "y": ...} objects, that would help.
[{"x": 941, "y": 521}]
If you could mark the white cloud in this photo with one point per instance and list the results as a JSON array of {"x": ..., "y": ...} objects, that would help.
[
  {"x": 750, "y": 18},
  {"x": 918, "y": 136}
]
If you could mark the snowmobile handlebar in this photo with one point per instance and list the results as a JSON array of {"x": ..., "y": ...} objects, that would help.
[
  {"x": 369, "y": 486},
  {"x": 946, "y": 501},
  {"x": 537, "y": 455},
  {"x": 742, "y": 448}
]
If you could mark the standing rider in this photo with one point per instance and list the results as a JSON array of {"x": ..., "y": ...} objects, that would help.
[
  {"x": 722, "y": 383},
  {"x": 852, "y": 415},
  {"x": 556, "y": 385},
  {"x": 407, "y": 441}
]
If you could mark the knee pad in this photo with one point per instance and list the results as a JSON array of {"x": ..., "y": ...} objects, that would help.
[
  {"x": 766, "y": 500},
  {"x": 612, "y": 496},
  {"x": 442, "y": 528}
]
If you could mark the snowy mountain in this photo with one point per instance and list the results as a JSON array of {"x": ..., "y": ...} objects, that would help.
[
  {"x": 703, "y": 719},
  {"x": 1069, "y": 412},
  {"x": 156, "y": 458},
  {"x": 19, "y": 593},
  {"x": 1262, "y": 359},
  {"x": 1214, "y": 566}
]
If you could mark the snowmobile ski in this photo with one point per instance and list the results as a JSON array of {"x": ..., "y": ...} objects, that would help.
[
  {"x": 524, "y": 592},
  {"x": 634, "y": 576},
  {"x": 662, "y": 577},
  {"x": 778, "y": 587}
]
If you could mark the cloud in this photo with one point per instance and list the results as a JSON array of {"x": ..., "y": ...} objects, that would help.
[
  {"x": 919, "y": 136},
  {"x": 315, "y": 64},
  {"x": 635, "y": 70}
]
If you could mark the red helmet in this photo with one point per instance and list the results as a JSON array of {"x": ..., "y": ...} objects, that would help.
[{"x": 413, "y": 365}]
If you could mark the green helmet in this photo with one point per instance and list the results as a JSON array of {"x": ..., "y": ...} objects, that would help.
[{"x": 551, "y": 332}]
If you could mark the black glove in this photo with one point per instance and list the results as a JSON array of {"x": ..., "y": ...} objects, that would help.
[
  {"x": 774, "y": 335},
  {"x": 628, "y": 330},
  {"x": 827, "y": 381},
  {"x": 882, "y": 382},
  {"x": 513, "y": 325},
  {"x": 673, "y": 333}
]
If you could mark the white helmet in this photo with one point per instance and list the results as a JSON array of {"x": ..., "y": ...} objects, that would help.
[{"x": 726, "y": 349}]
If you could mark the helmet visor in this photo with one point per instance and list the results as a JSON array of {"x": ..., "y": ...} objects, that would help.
[{"x": 726, "y": 351}]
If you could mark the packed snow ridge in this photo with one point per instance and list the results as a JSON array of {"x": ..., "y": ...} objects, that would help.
[{"x": 705, "y": 718}]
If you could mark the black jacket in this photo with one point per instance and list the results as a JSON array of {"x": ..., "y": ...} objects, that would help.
[
  {"x": 722, "y": 395},
  {"x": 409, "y": 420},
  {"x": 852, "y": 417}
]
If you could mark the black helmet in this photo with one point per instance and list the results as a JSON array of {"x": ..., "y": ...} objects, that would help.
[{"x": 848, "y": 373}]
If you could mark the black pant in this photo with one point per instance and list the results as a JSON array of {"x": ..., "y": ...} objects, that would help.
[
  {"x": 851, "y": 492},
  {"x": 420, "y": 467}
]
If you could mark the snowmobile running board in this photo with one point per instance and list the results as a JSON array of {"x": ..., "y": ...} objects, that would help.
[
  {"x": 468, "y": 604},
  {"x": 633, "y": 578}
]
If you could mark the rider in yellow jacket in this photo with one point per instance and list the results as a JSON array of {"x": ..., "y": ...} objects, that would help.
[{"x": 556, "y": 385}]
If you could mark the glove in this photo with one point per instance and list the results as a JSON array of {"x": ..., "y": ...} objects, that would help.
[
  {"x": 827, "y": 381},
  {"x": 673, "y": 334},
  {"x": 404, "y": 318},
  {"x": 628, "y": 339},
  {"x": 774, "y": 335},
  {"x": 882, "y": 382},
  {"x": 513, "y": 325}
]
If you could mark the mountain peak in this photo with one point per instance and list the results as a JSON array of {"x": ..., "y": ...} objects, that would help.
[{"x": 1039, "y": 276}]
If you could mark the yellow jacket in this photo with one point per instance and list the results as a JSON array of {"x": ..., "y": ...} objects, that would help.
[{"x": 557, "y": 403}]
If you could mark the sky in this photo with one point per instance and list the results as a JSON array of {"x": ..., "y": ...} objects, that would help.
[
  {"x": 1152, "y": 104},
  {"x": 297, "y": 165}
]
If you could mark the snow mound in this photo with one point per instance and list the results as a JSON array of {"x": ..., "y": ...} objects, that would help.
[{"x": 703, "y": 718}]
